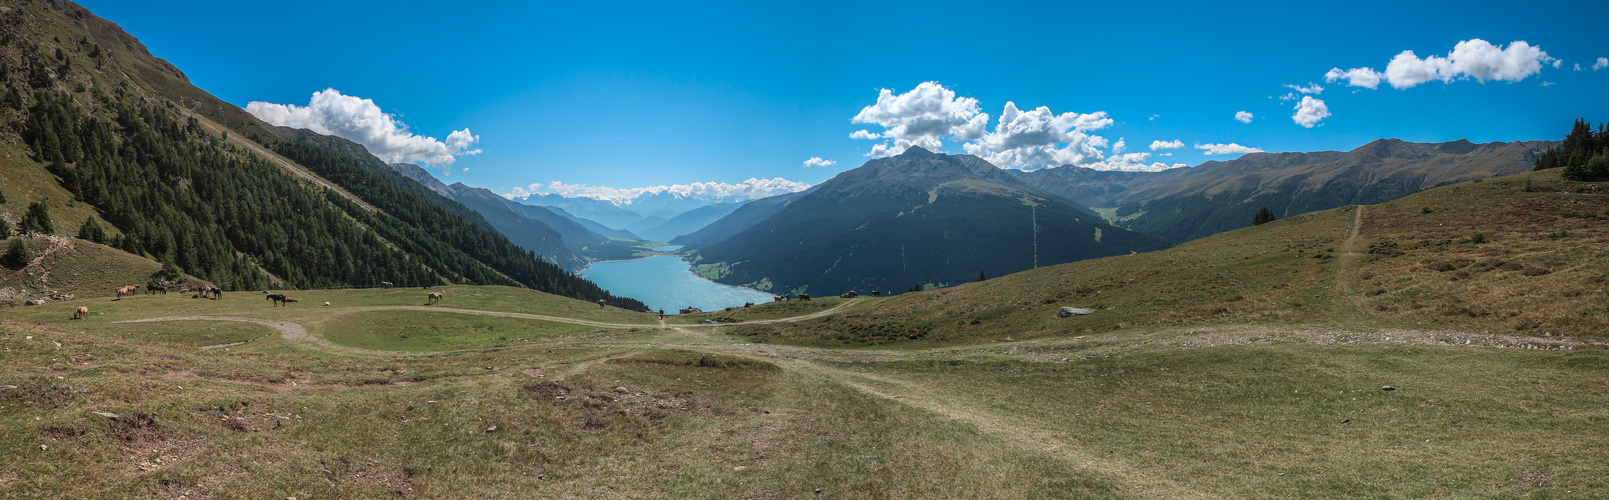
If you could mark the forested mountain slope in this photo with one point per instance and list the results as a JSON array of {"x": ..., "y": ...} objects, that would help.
[
  {"x": 103, "y": 116},
  {"x": 916, "y": 219}
]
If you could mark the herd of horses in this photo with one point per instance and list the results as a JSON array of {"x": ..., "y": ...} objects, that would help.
[{"x": 213, "y": 292}]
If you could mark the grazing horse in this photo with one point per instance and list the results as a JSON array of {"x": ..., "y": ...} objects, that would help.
[
  {"x": 163, "y": 289},
  {"x": 127, "y": 290},
  {"x": 288, "y": 300},
  {"x": 277, "y": 298},
  {"x": 804, "y": 296},
  {"x": 600, "y": 303},
  {"x": 434, "y": 297},
  {"x": 81, "y": 313},
  {"x": 386, "y": 284}
]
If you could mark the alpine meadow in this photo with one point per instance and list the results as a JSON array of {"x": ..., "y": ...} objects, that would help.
[{"x": 1160, "y": 255}]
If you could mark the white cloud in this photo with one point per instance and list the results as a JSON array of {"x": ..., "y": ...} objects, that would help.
[
  {"x": 1311, "y": 88},
  {"x": 816, "y": 161},
  {"x": 1603, "y": 62},
  {"x": 1356, "y": 77},
  {"x": 1029, "y": 139},
  {"x": 746, "y": 190},
  {"x": 361, "y": 121},
  {"x": 1473, "y": 58},
  {"x": 1546, "y": 83},
  {"x": 1310, "y": 111},
  {"x": 1131, "y": 162},
  {"x": 1119, "y": 146},
  {"x": 466, "y": 169},
  {"x": 1174, "y": 144},
  {"x": 1240, "y": 116},
  {"x": 1226, "y": 149},
  {"x": 1557, "y": 63},
  {"x": 1288, "y": 96},
  {"x": 925, "y": 116},
  {"x": 1153, "y": 118}
]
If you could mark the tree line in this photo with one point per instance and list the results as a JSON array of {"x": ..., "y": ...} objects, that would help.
[
  {"x": 1584, "y": 155},
  {"x": 218, "y": 212}
]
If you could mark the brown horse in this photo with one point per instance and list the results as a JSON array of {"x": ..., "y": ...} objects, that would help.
[
  {"x": 81, "y": 313},
  {"x": 289, "y": 300},
  {"x": 434, "y": 297},
  {"x": 127, "y": 290}
]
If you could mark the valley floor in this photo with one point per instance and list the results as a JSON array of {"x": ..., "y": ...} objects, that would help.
[{"x": 502, "y": 393}]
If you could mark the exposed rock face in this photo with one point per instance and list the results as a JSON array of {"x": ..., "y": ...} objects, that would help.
[{"x": 1066, "y": 312}]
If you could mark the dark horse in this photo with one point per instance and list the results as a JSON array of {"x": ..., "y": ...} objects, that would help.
[{"x": 277, "y": 298}]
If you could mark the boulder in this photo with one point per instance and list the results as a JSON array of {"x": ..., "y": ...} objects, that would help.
[{"x": 1073, "y": 311}]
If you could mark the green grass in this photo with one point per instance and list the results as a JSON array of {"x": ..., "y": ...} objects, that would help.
[
  {"x": 439, "y": 331},
  {"x": 1288, "y": 420},
  {"x": 766, "y": 310},
  {"x": 192, "y": 333}
]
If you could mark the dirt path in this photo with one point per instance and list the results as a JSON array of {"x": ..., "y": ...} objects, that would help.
[
  {"x": 1018, "y": 434},
  {"x": 1346, "y": 270}
]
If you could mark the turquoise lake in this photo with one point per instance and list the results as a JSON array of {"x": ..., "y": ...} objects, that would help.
[{"x": 667, "y": 282}]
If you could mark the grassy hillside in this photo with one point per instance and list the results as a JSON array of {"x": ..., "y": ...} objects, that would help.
[
  {"x": 70, "y": 265},
  {"x": 1495, "y": 255}
]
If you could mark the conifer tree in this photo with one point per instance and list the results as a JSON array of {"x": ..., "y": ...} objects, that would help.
[
  {"x": 17, "y": 254},
  {"x": 92, "y": 231},
  {"x": 981, "y": 277},
  {"x": 1264, "y": 216},
  {"x": 37, "y": 220}
]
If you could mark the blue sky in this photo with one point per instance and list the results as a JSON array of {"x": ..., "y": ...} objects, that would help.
[{"x": 627, "y": 95}]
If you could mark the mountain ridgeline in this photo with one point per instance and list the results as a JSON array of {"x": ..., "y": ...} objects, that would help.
[
  {"x": 1188, "y": 203},
  {"x": 117, "y": 129},
  {"x": 558, "y": 239},
  {"x": 917, "y": 219}
]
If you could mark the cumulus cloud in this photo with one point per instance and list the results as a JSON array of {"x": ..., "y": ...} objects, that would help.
[
  {"x": 1603, "y": 62},
  {"x": 746, "y": 190},
  {"x": 1131, "y": 162},
  {"x": 1030, "y": 139},
  {"x": 1356, "y": 77},
  {"x": 1473, "y": 58},
  {"x": 1288, "y": 96},
  {"x": 816, "y": 161},
  {"x": 1557, "y": 63},
  {"x": 1119, "y": 146},
  {"x": 924, "y": 117},
  {"x": 1311, "y": 88},
  {"x": 1173, "y": 144},
  {"x": 361, "y": 121},
  {"x": 1226, "y": 149},
  {"x": 1310, "y": 111},
  {"x": 1240, "y": 116}
]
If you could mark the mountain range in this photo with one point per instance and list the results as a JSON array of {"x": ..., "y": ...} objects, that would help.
[
  {"x": 913, "y": 220},
  {"x": 100, "y": 131},
  {"x": 1188, "y": 203}
]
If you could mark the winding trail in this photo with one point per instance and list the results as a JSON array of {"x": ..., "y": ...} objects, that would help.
[
  {"x": 1019, "y": 434},
  {"x": 293, "y": 332},
  {"x": 1346, "y": 270}
]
